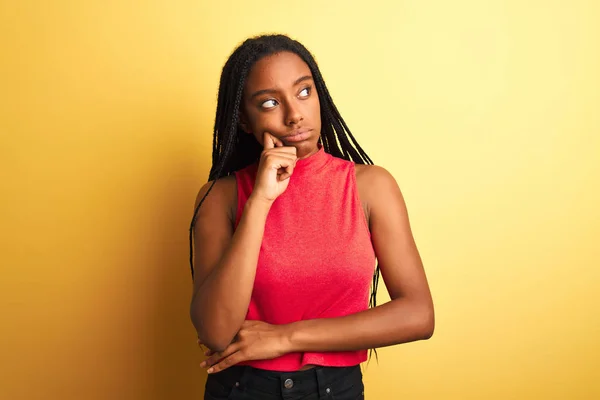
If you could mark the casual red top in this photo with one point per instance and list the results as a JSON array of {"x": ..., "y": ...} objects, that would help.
[{"x": 316, "y": 259}]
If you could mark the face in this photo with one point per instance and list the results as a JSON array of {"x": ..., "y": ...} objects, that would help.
[{"x": 280, "y": 98}]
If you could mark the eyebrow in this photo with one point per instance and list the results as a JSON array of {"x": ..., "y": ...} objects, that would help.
[{"x": 296, "y": 82}]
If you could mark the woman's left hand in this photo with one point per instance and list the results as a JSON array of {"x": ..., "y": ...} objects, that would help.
[{"x": 256, "y": 340}]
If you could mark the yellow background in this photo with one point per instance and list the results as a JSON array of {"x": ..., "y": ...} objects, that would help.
[{"x": 486, "y": 112}]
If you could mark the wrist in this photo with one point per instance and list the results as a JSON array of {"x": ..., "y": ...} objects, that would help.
[
  {"x": 255, "y": 202},
  {"x": 288, "y": 337},
  {"x": 257, "y": 208}
]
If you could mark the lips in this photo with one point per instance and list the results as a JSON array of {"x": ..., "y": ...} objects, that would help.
[
  {"x": 297, "y": 132},
  {"x": 297, "y": 136}
]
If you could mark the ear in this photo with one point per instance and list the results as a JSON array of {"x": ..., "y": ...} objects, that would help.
[{"x": 244, "y": 122}]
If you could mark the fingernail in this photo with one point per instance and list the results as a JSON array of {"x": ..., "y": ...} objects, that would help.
[
  {"x": 210, "y": 370},
  {"x": 202, "y": 364}
]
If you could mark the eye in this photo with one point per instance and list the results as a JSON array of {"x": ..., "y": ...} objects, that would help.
[
  {"x": 269, "y": 104},
  {"x": 305, "y": 92}
]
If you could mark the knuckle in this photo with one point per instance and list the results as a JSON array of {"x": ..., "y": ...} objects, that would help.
[{"x": 270, "y": 157}]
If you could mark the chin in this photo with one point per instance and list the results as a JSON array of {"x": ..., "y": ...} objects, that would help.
[{"x": 305, "y": 147}]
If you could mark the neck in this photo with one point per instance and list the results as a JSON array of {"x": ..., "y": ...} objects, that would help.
[
  {"x": 312, "y": 161},
  {"x": 306, "y": 155}
]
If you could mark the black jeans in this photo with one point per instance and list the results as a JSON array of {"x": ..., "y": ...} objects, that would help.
[{"x": 247, "y": 383}]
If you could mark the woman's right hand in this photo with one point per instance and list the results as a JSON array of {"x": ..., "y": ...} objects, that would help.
[{"x": 275, "y": 167}]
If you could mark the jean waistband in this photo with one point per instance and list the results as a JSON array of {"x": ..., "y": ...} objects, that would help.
[{"x": 317, "y": 379}]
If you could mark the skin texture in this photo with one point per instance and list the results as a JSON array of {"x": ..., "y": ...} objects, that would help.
[{"x": 280, "y": 99}]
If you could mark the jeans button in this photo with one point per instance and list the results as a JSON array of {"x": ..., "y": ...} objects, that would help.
[{"x": 288, "y": 384}]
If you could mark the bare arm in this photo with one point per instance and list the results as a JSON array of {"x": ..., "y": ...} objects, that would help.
[{"x": 225, "y": 264}]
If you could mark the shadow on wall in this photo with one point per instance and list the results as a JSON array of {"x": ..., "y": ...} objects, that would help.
[{"x": 175, "y": 371}]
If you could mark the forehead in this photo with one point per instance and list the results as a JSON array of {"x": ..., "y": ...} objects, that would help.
[{"x": 278, "y": 70}]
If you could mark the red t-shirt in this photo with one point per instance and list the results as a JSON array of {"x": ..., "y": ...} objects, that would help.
[{"x": 316, "y": 259}]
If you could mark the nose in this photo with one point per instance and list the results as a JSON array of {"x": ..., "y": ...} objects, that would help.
[{"x": 293, "y": 115}]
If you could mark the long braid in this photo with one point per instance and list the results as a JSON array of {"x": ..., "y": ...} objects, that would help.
[
  {"x": 221, "y": 153},
  {"x": 233, "y": 149}
]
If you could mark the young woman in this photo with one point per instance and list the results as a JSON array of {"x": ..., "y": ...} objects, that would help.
[{"x": 286, "y": 236}]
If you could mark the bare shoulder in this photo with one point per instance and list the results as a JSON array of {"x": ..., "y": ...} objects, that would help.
[
  {"x": 222, "y": 197},
  {"x": 374, "y": 181},
  {"x": 376, "y": 187},
  {"x": 214, "y": 225}
]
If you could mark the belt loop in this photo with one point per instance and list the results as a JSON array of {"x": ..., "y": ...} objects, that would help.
[
  {"x": 322, "y": 384},
  {"x": 243, "y": 378}
]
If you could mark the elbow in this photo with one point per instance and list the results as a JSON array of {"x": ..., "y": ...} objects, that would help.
[
  {"x": 213, "y": 343},
  {"x": 426, "y": 323},
  {"x": 427, "y": 330},
  {"x": 421, "y": 321},
  {"x": 209, "y": 335},
  {"x": 212, "y": 338}
]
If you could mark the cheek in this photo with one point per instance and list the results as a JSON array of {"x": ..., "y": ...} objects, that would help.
[
  {"x": 315, "y": 111},
  {"x": 265, "y": 121}
]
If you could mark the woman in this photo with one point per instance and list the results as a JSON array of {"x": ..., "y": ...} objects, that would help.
[{"x": 286, "y": 234}]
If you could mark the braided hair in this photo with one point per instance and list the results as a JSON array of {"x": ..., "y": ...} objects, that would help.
[{"x": 234, "y": 150}]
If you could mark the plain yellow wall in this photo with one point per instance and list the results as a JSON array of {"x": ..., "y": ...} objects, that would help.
[{"x": 486, "y": 112}]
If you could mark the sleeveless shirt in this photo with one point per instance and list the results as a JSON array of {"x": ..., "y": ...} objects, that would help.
[{"x": 316, "y": 259}]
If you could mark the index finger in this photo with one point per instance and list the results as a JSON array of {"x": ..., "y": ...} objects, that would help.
[{"x": 270, "y": 141}]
